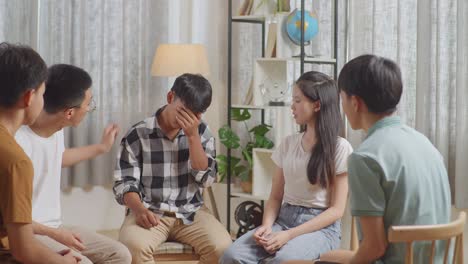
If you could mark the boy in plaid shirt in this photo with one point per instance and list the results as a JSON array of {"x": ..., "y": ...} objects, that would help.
[{"x": 164, "y": 163}]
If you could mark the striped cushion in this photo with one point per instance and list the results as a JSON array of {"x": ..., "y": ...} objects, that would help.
[{"x": 174, "y": 248}]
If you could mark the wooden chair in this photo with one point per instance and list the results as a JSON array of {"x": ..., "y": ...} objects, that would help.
[
  {"x": 409, "y": 234},
  {"x": 175, "y": 251},
  {"x": 354, "y": 240}
]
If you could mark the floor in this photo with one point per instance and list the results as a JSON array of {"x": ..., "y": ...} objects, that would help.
[{"x": 178, "y": 262}]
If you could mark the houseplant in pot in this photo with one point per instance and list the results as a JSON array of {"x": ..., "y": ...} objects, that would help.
[{"x": 242, "y": 166}]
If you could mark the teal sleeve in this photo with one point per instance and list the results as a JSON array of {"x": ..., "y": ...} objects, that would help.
[{"x": 367, "y": 197}]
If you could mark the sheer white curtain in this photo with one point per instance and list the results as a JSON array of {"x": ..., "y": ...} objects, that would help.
[
  {"x": 115, "y": 42},
  {"x": 18, "y": 20},
  {"x": 428, "y": 39}
]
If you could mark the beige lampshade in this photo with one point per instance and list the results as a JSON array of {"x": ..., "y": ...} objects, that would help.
[{"x": 176, "y": 59}]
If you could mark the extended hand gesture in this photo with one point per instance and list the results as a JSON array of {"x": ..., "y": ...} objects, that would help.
[{"x": 108, "y": 136}]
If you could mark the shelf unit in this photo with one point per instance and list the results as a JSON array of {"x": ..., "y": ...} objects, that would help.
[
  {"x": 261, "y": 155},
  {"x": 248, "y": 196}
]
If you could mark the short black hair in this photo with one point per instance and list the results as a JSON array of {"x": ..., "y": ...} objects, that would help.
[
  {"x": 194, "y": 91},
  {"x": 21, "y": 69},
  {"x": 375, "y": 79},
  {"x": 65, "y": 87}
]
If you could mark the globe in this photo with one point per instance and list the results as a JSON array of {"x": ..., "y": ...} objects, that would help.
[{"x": 293, "y": 26}]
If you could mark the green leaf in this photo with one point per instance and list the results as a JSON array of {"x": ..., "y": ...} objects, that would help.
[
  {"x": 244, "y": 176},
  {"x": 247, "y": 154},
  {"x": 238, "y": 170},
  {"x": 234, "y": 161},
  {"x": 228, "y": 138},
  {"x": 260, "y": 130},
  {"x": 240, "y": 114},
  {"x": 263, "y": 142},
  {"x": 222, "y": 166}
]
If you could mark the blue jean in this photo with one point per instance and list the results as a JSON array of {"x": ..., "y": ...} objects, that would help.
[{"x": 304, "y": 247}]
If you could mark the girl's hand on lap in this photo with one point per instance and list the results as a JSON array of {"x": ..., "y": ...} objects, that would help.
[
  {"x": 262, "y": 234},
  {"x": 276, "y": 241}
]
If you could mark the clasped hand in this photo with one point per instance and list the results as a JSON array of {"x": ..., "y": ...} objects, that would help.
[{"x": 269, "y": 240}]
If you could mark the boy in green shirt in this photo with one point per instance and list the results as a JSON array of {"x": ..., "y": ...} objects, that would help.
[{"x": 396, "y": 176}]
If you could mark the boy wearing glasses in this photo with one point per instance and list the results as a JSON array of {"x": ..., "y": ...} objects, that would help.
[{"x": 67, "y": 100}]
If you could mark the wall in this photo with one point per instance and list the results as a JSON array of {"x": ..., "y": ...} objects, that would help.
[{"x": 95, "y": 209}]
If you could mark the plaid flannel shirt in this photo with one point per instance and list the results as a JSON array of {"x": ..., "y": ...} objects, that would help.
[{"x": 159, "y": 170}]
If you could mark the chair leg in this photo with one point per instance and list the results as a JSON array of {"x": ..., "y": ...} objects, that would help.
[
  {"x": 409, "y": 253},
  {"x": 214, "y": 208}
]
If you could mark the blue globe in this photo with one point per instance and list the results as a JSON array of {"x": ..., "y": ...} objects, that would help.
[{"x": 293, "y": 26}]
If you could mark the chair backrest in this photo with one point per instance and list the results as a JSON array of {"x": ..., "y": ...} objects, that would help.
[
  {"x": 210, "y": 201},
  {"x": 409, "y": 234}
]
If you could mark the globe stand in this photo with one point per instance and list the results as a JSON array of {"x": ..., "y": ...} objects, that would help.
[{"x": 305, "y": 54}]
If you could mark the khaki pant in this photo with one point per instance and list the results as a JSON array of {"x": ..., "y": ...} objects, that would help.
[
  {"x": 206, "y": 234},
  {"x": 99, "y": 249}
]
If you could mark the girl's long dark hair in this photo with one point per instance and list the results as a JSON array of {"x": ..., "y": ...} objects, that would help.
[{"x": 317, "y": 86}]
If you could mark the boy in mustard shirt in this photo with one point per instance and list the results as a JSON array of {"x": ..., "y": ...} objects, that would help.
[{"x": 22, "y": 76}]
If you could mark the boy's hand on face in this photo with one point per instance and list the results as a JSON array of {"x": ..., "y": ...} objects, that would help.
[
  {"x": 108, "y": 136},
  {"x": 188, "y": 121}
]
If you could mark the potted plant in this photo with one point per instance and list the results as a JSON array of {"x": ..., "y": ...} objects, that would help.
[{"x": 230, "y": 139}]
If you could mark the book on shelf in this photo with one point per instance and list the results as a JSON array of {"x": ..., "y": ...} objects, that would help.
[
  {"x": 250, "y": 9},
  {"x": 246, "y": 8},
  {"x": 249, "y": 96},
  {"x": 273, "y": 53},
  {"x": 270, "y": 51}
]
